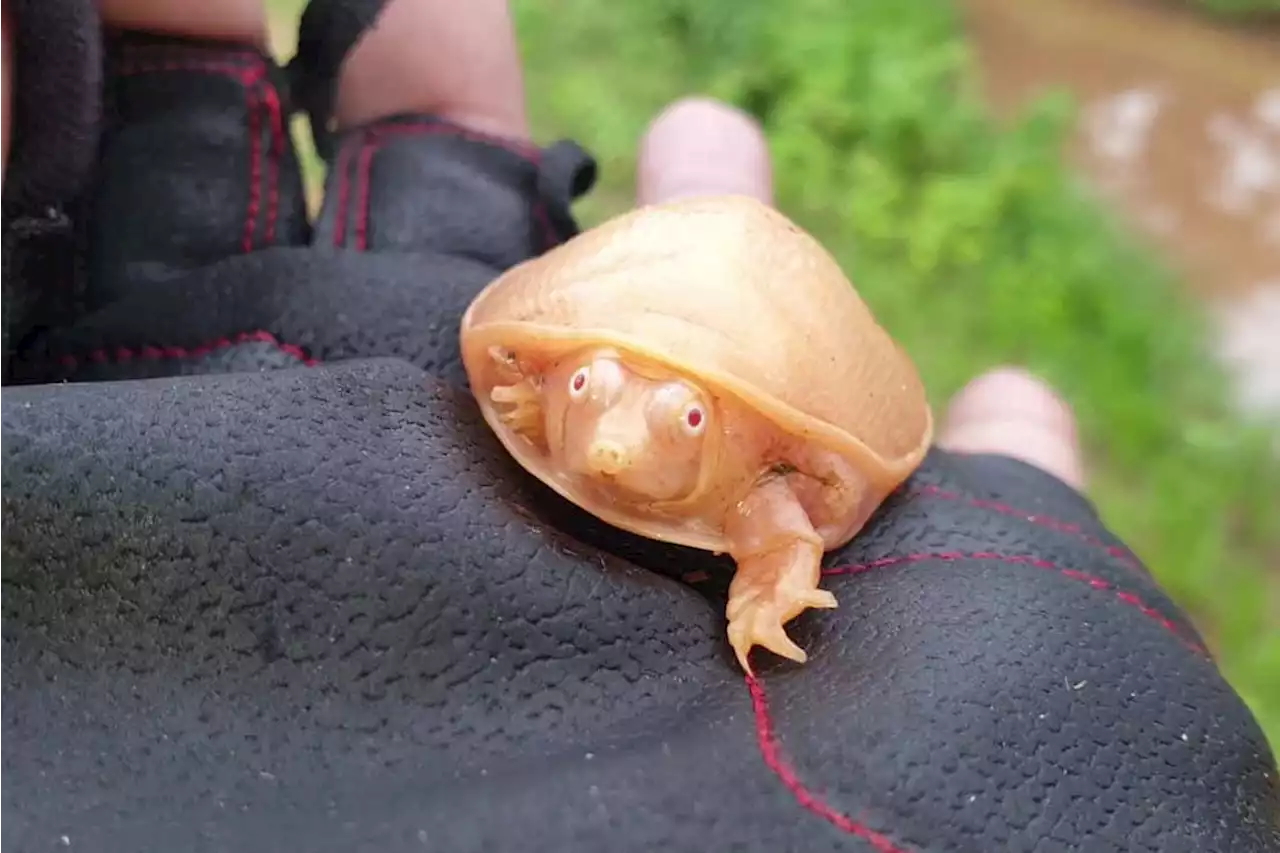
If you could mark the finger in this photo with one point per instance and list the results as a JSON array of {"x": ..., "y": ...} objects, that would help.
[
  {"x": 1009, "y": 412},
  {"x": 699, "y": 146},
  {"x": 432, "y": 145},
  {"x": 239, "y": 21},
  {"x": 455, "y": 61},
  {"x": 197, "y": 165}
]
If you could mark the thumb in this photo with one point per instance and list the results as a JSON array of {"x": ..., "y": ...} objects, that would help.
[
  {"x": 1010, "y": 412},
  {"x": 700, "y": 146}
]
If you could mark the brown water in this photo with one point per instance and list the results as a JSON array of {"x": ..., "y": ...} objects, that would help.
[
  {"x": 1180, "y": 128},
  {"x": 1180, "y": 120}
]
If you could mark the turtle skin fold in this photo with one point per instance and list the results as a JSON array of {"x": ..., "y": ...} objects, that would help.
[{"x": 270, "y": 583}]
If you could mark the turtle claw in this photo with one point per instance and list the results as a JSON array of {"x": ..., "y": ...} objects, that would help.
[
  {"x": 817, "y": 598},
  {"x": 758, "y": 622}
]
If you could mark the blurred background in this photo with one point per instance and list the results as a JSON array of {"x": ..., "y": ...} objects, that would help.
[{"x": 1090, "y": 188}]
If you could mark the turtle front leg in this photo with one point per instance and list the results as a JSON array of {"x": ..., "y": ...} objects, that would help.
[
  {"x": 779, "y": 564},
  {"x": 520, "y": 394},
  {"x": 525, "y": 414}
]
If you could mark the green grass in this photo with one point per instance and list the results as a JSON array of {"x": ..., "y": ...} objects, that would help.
[{"x": 973, "y": 246}]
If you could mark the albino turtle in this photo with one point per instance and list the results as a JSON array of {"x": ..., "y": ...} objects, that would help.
[{"x": 703, "y": 373}]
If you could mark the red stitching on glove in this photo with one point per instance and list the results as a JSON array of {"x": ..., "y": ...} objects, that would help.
[
  {"x": 374, "y": 138},
  {"x": 153, "y": 353},
  {"x": 1123, "y": 555},
  {"x": 343, "y": 168},
  {"x": 255, "y": 164},
  {"x": 276, "y": 114},
  {"x": 767, "y": 740},
  {"x": 1126, "y": 597},
  {"x": 765, "y": 732},
  {"x": 250, "y": 76}
]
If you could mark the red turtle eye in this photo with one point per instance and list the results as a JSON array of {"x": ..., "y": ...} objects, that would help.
[
  {"x": 578, "y": 384},
  {"x": 694, "y": 420}
]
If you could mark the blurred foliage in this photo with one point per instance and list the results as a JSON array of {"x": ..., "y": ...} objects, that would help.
[
  {"x": 974, "y": 246},
  {"x": 1237, "y": 8}
]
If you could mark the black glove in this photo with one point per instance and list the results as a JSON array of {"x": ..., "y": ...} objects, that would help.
[{"x": 276, "y": 586}]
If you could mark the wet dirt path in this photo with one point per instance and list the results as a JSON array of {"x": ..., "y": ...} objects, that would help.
[{"x": 1179, "y": 126}]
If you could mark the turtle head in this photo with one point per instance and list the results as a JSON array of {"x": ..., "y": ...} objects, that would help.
[{"x": 635, "y": 433}]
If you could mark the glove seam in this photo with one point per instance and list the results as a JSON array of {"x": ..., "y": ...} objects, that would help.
[
  {"x": 252, "y": 71},
  {"x": 1118, "y": 553},
  {"x": 771, "y": 752},
  {"x": 1126, "y": 597},
  {"x": 171, "y": 352},
  {"x": 766, "y": 731}
]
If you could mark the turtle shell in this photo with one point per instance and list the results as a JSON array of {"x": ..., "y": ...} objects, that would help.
[{"x": 729, "y": 293}]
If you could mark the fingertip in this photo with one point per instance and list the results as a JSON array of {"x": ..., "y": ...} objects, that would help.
[
  {"x": 1010, "y": 412},
  {"x": 702, "y": 146},
  {"x": 457, "y": 61}
]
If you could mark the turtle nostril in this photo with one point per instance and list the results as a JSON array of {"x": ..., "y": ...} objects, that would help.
[{"x": 606, "y": 457}]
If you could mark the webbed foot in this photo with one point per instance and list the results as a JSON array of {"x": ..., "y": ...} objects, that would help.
[{"x": 761, "y": 602}]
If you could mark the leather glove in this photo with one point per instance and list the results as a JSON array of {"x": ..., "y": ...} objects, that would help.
[{"x": 271, "y": 584}]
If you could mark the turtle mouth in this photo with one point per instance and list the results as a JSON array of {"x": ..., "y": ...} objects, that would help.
[
  {"x": 633, "y": 487},
  {"x": 616, "y": 483}
]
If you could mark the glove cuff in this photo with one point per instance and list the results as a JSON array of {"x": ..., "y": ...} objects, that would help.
[
  {"x": 56, "y": 58},
  {"x": 57, "y": 62},
  {"x": 421, "y": 183}
]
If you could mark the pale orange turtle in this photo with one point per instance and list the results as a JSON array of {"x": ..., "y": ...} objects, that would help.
[{"x": 703, "y": 373}]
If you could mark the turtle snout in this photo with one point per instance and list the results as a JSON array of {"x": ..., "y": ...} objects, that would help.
[{"x": 607, "y": 457}]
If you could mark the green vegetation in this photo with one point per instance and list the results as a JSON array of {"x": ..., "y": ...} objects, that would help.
[
  {"x": 1238, "y": 8},
  {"x": 971, "y": 243}
]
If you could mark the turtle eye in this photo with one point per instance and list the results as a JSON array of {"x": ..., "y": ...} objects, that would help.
[
  {"x": 693, "y": 420},
  {"x": 578, "y": 383}
]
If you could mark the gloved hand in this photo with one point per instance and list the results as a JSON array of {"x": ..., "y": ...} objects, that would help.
[{"x": 271, "y": 584}]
